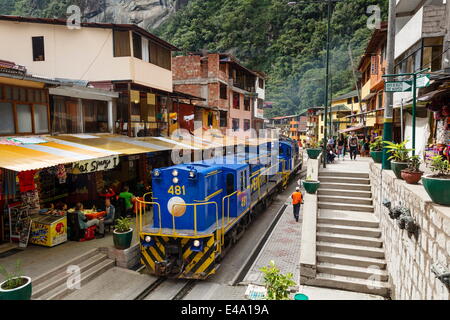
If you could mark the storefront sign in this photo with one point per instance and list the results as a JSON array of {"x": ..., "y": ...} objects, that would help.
[{"x": 95, "y": 165}]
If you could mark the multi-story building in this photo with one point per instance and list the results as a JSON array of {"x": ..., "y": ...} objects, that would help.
[
  {"x": 341, "y": 107},
  {"x": 372, "y": 67},
  {"x": 294, "y": 126},
  {"x": 421, "y": 31},
  {"x": 258, "y": 120},
  {"x": 122, "y": 58},
  {"x": 312, "y": 124},
  {"x": 224, "y": 83}
]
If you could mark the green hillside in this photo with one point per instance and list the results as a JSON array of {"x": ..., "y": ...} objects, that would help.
[{"x": 288, "y": 43}]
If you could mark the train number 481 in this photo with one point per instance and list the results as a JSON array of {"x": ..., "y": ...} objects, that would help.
[{"x": 177, "y": 190}]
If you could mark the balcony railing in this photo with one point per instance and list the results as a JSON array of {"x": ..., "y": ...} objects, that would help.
[{"x": 141, "y": 128}]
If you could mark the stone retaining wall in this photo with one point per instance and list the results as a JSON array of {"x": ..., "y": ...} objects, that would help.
[{"x": 409, "y": 259}]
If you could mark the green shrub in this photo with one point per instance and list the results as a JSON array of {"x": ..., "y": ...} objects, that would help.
[
  {"x": 277, "y": 284},
  {"x": 123, "y": 225}
]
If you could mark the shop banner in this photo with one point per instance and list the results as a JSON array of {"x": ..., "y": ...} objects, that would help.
[{"x": 95, "y": 165}]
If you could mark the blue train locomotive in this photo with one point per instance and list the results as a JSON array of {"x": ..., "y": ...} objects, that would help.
[{"x": 202, "y": 208}]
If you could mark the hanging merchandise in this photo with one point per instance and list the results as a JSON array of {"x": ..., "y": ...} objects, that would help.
[
  {"x": 61, "y": 173},
  {"x": 31, "y": 199},
  {"x": 26, "y": 180}
]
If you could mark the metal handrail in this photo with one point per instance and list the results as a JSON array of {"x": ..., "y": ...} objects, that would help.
[
  {"x": 143, "y": 203},
  {"x": 195, "y": 214}
]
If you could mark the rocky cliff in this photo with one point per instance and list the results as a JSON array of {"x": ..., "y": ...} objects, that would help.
[{"x": 145, "y": 13}]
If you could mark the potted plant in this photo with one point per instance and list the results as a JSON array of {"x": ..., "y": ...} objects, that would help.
[
  {"x": 313, "y": 151},
  {"x": 412, "y": 174},
  {"x": 276, "y": 283},
  {"x": 15, "y": 286},
  {"x": 437, "y": 184},
  {"x": 399, "y": 156},
  {"x": 311, "y": 185},
  {"x": 123, "y": 233},
  {"x": 376, "y": 149}
]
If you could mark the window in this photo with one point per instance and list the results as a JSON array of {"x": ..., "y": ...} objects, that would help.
[
  {"x": 246, "y": 124},
  {"x": 235, "y": 124},
  {"x": 356, "y": 99},
  {"x": 121, "y": 43},
  {"x": 20, "y": 107},
  {"x": 223, "y": 119},
  {"x": 24, "y": 118},
  {"x": 40, "y": 118},
  {"x": 349, "y": 101},
  {"x": 7, "y": 116},
  {"x": 160, "y": 56},
  {"x": 321, "y": 129},
  {"x": 95, "y": 114},
  {"x": 247, "y": 104},
  {"x": 38, "y": 48},
  {"x": 223, "y": 92},
  {"x": 261, "y": 83},
  {"x": 236, "y": 101},
  {"x": 137, "y": 46}
]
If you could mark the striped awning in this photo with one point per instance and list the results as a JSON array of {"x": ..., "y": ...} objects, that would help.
[{"x": 23, "y": 157}]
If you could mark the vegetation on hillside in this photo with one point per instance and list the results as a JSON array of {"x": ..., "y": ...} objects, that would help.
[{"x": 286, "y": 42}]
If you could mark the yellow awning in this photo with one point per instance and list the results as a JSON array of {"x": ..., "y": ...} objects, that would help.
[{"x": 25, "y": 157}]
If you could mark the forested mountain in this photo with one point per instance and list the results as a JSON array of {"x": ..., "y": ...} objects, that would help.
[{"x": 286, "y": 42}]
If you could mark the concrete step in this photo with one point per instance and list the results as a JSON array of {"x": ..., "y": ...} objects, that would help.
[
  {"x": 344, "y": 186},
  {"x": 345, "y": 199},
  {"x": 352, "y": 284},
  {"x": 371, "y": 272},
  {"x": 349, "y": 239},
  {"x": 360, "y": 251},
  {"x": 344, "y": 180},
  {"x": 348, "y": 222},
  {"x": 345, "y": 193},
  {"x": 62, "y": 268},
  {"x": 345, "y": 206},
  {"x": 350, "y": 260},
  {"x": 60, "y": 278},
  {"x": 349, "y": 230},
  {"x": 62, "y": 290},
  {"x": 330, "y": 173}
]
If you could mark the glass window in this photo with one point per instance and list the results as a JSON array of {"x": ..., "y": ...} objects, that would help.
[
  {"x": 122, "y": 43},
  {"x": 7, "y": 116},
  {"x": 137, "y": 46},
  {"x": 15, "y": 93},
  {"x": 8, "y": 93},
  {"x": 246, "y": 124},
  {"x": 24, "y": 118},
  {"x": 235, "y": 124},
  {"x": 40, "y": 118},
  {"x": 38, "y": 48},
  {"x": 22, "y": 94},
  {"x": 223, "y": 91}
]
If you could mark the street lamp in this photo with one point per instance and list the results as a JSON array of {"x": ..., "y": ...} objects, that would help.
[{"x": 325, "y": 124}]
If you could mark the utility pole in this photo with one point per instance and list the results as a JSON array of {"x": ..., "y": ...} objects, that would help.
[
  {"x": 325, "y": 136},
  {"x": 389, "y": 110}
]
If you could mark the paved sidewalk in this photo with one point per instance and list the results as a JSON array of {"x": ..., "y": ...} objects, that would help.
[{"x": 283, "y": 246}]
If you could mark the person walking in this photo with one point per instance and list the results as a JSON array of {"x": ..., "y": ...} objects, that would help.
[
  {"x": 127, "y": 197},
  {"x": 297, "y": 200},
  {"x": 353, "y": 146},
  {"x": 341, "y": 147}
]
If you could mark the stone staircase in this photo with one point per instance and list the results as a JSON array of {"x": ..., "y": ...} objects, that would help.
[
  {"x": 53, "y": 284},
  {"x": 350, "y": 253}
]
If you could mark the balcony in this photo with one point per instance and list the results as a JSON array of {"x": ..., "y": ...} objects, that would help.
[{"x": 429, "y": 21}]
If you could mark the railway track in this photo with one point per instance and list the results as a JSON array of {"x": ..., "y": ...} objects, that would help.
[{"x": 179, "y": 289}]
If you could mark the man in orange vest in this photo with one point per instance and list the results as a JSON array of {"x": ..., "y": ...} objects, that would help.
[{"x": 297, "y": 199}]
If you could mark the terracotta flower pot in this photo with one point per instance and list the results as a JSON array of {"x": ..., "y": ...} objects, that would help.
[{"x": 411, "y": 177}]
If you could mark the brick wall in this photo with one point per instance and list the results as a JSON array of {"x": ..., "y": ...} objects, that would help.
[
  {"x": 186, "y": 67},
  {"x": 409, "y": 259}
]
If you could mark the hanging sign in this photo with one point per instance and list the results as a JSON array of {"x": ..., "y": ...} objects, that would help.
[
  {"x": 95, "y": 165},
  {"x": 398, "y": 86}
]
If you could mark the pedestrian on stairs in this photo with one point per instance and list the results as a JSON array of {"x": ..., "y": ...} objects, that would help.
[{"x": 297, "y": 200}]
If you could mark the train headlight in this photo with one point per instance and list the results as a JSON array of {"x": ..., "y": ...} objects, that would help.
[
  {"x": 175, "y": 173},
  {"x": 157, "y": 173},
  {"x": 192, "y": 174},
  {"x": 148, "y": 239},
  {"x": 197, "y": 245},
  {"x": 175, "y": 180}
]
